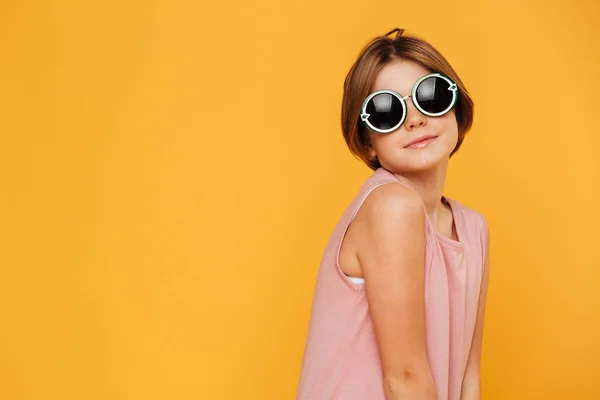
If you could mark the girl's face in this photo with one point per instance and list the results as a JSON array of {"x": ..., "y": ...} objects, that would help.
[{"x": 390, "y": 148}]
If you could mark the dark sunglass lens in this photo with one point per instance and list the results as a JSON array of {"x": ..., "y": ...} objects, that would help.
[
  {"x": 385, "y": 111},
  {"x": 433, "y": 95}
]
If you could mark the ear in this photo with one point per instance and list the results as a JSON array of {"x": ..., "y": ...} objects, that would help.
[{"x": 372, "y": 152}]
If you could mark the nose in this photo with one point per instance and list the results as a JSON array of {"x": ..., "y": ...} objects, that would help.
[{"x": 414, "y": 117}]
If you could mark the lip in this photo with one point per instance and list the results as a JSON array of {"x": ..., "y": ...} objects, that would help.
[{"x": 420, "y": 139}]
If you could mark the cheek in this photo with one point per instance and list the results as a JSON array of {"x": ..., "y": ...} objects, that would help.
[
  {"x": 390, "y": 142},
  {"x": 447, "y": 124}
]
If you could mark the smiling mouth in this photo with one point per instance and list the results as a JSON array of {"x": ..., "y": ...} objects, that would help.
[{"x": 421, "y": 143}]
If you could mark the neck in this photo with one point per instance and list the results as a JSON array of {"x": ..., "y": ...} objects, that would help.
[{"x": 430, "y": 186}]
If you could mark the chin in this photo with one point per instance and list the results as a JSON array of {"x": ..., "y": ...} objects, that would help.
[{"x": 425, "y": 160}]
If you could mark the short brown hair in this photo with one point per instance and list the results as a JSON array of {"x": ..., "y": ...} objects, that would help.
[{"x": 373, "y": 57}]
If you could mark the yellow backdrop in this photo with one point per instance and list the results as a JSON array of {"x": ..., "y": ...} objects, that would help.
[{"x": 171, "y": 172}]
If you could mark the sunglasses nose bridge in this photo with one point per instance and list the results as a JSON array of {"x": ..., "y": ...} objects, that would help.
[
  {"x": 406, "y": 102},
  {"x": 409, "y": 103}
]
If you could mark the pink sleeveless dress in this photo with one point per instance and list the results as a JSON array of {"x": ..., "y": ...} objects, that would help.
[{"x": 341, "y": 357}]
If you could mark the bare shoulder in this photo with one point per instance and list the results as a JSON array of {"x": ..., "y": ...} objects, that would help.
[
  {"x": 390, "y": 212},
  {"x": 386, "y": 205},
  {"x": 391, "y": 199},
  {"x": 386, "y": 209}
]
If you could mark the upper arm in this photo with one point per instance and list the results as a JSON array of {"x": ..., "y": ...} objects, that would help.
[
  {"x": 473, "y": 365},
  {"x": 391, "y": 254}
]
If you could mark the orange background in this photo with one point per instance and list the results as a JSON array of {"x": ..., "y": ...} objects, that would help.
[{"x": 171, "y": 172}]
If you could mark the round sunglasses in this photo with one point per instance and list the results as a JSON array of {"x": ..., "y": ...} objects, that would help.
[{"x": 433, "y": 95}]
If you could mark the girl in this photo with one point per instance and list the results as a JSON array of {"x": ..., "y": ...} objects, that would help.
[{"x": 400, "y": 295}]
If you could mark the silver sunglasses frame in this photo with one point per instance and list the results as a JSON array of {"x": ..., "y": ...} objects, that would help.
[{"x": 364, "y": 116}]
